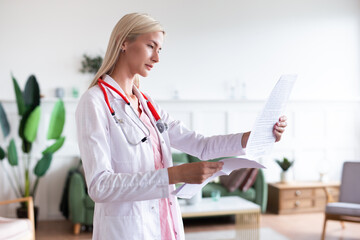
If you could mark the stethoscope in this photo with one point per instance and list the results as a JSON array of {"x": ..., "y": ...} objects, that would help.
[{"x": 161, "y": 126}]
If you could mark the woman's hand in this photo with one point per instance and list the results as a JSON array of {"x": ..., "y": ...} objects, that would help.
[
  {"x": 196, "y": 172},
  {"x": 279, "y": 128}
]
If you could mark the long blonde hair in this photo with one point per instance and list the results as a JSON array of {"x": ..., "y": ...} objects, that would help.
[{"x": 129, "y": 27}]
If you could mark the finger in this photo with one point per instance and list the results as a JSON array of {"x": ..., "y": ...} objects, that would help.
[
  {"x": 277, "y": 135},
  {"x": 283, "y": 118},
  {"x": 281, "y": 124},
  {"x": 214, "y": 165},
  {"x": 279, "y": 129}
]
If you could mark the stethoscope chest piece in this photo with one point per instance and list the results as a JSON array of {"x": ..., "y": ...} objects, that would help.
[{"x": 161, "y": 126}]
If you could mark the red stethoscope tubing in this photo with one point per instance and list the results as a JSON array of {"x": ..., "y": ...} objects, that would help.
[{"x": 150, "y": 106}]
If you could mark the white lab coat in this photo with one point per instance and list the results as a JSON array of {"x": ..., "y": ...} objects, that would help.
[{"x": 121, "y": 177}]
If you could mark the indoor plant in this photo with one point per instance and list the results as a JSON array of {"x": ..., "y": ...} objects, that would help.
[
  {"x": 23, "y": 181},
  {"x": 90, "y": 64},
  {"x": 285, "y": 164}
]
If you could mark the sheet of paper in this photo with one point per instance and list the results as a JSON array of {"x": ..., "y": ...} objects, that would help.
[
  {"x": 261, "y": 139},
  {"x": 230, "y": 164}
]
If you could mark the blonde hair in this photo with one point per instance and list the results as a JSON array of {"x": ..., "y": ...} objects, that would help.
[{"x": 129, "y": 28}]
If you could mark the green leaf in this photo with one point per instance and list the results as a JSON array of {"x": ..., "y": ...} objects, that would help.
[
  {"x": 4, "y": 121},
  {"x": 43, "y": 165},
  {"x": 26, "y": 146},
  {"x": 19, "y": 97},
  {"x": 2, "y": 154},
  {"x": 56, "y": 146},
  {"x": 12, "y": 153},
  {"x": 285, "y": 164},
  {"x": 57, "y": 120},
  {"x": 32, "y": 93},
  {"x": 32, "y": 124}
]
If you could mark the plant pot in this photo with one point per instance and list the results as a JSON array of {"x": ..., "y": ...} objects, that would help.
[
  {"x": 284, "y": 177},
  {"x": 22, "y": 212}
]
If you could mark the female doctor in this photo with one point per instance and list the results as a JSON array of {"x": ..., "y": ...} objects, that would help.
[{"x": 125, "y": 139}]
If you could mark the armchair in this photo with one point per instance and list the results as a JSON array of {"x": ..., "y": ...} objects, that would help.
[
  {"x": 16, "y": 229},
  {"x": 348, "y": 207},
  {"x": 81, "y": 206}
]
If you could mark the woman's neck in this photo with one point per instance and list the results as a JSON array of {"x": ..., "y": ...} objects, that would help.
[{"x": 124, "y": 80}]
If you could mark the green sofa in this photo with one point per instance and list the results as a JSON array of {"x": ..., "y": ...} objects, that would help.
[
  {"x": 81, "y": 206},
  {"x": 258, "y": 193}
]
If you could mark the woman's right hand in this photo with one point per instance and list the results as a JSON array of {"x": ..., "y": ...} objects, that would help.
[{"x": 195, "y": 173}]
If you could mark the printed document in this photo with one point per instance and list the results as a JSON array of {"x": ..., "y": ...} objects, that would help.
[{"x": 261, "y": 139}]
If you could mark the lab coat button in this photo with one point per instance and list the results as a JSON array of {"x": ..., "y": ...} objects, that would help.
[
  {"x": 152, "y": 207},
  {"x": 170, "y": 203},
  {"x": 162, "y": 141}
]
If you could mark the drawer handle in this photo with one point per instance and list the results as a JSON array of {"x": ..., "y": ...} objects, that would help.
[
  {"x": 297, "y": 203},
  {"x": 297, "y": 193}
]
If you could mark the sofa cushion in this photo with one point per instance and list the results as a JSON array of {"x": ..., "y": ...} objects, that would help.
[
  {"x": 343, "y": 208},
  {"x": 14, "y": 228},
  {"x": 235, "y": 179},
  {"x": 250, "y": 179},
  {"x": 241, "y": 179},
  {"x": 250, "y": 194}
]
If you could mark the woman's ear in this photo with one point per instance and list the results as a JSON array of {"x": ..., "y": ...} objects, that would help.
[{"x": 124, "y": 45}]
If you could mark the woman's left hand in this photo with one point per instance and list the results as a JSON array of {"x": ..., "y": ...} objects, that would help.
[{"x": 279, "y": 128}]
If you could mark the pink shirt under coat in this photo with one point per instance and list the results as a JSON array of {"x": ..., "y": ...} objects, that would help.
[{"x": 166, "y": 220}]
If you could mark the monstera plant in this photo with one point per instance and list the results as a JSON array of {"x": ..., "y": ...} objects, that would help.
[{"x": 25, "y": 169}]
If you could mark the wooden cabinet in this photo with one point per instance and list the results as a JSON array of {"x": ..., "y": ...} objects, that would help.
[{"x": 299, "y": 197}]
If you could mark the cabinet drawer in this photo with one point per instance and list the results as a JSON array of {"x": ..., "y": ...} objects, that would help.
[
  {"x": 320, "y": 192},
  {"x": 296, "y": 193},
  {"x": 297, "y": 204}
]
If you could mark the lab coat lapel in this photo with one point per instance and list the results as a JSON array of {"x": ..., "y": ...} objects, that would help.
[
  {"x": 145, "y": 106},
  {"x": 166, "y": 153},
  {"x": 127, "y": 109}
]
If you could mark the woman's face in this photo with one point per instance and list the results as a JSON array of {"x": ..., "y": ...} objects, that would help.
[{"x": 141, "y": 55}]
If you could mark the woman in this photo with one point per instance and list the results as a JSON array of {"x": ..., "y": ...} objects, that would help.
[{"x": 126, "y": 149}]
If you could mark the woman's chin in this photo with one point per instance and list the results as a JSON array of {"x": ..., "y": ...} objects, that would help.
[{"x": 144, "y": 74}]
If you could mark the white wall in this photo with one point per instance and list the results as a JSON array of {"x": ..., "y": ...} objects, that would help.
[
  {"x": 210, "y": 43},
  {"x": 210, "y": 46}
]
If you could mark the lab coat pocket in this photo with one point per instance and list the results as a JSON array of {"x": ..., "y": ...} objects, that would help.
[{"x": 123, "y": 227}]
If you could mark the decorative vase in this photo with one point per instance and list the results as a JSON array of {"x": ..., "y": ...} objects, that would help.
[
  {"x": 22, "y": 212},
  {"x": 284, "y": 177}
]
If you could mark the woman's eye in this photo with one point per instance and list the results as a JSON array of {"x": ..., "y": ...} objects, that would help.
[{"x": 151, "y": 46}]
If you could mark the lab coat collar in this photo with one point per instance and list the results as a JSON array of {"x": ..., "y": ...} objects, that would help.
[
  {"x": 113, "y": 83},
  {"x": 126, "y": 109}
]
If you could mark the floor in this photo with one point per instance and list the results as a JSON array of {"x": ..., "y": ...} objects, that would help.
[{"x": 295, "y": 227}]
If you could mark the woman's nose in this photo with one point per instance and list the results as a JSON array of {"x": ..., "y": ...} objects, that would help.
[{"x": 155, "y": 57}]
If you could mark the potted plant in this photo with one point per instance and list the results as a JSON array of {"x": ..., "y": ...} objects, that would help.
[
  {"x": 91, "y": 64},
  {"x": 25, "y": 172},
  {"x": 285, "y": 164}
]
